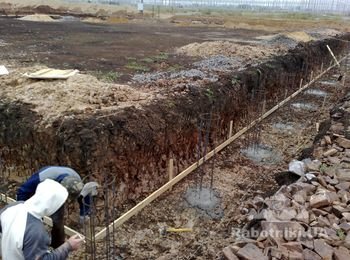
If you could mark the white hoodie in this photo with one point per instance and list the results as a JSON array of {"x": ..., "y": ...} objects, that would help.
[{"x": 48, "y": 198}]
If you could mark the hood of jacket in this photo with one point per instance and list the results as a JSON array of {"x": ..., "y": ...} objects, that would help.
[{"x": 48, "y": 198}]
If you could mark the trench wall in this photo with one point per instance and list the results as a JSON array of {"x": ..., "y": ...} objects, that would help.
[{"x": 134, "y": 145}]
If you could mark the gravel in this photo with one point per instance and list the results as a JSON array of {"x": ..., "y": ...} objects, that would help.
[
  {"x": 219, "y": 63},
  {"x": 183, "y": 74},
  {"x": 281, "y": 40}
]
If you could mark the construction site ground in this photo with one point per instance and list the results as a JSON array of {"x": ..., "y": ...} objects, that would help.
[
  {"x": 112, "y": 52},
  {"x": 109, "y": 53},
  {"x": 237, "y": 179}
]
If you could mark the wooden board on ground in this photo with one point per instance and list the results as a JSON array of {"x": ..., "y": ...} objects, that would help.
[{"x": 51, "y": 74}]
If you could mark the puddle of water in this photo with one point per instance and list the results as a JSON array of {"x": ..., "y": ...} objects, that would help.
[
  {"x": 283, "y": 126},
  {"x": 316, "y": 92},
  {"x": 329, "y": 82},
  {"x": 206, "y": 201},
  {"x": 304, "y": 106},
  {"x": 261, "y": 154},
  {"x": 336, "y": 76},
  {"x": 68, "y": 18}
]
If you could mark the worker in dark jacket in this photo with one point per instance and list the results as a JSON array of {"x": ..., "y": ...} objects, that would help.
[
  {"x": 71, "y": 180},
  {"x": 23, "y": 234}
]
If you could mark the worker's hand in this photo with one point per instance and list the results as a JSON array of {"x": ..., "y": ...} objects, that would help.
[
  {"x": 89, "y": 188},
  {"x": 75, "y": 242}
]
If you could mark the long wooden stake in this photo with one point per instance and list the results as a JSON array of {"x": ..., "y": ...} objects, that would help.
[
  {"x": 329, "y": 49},
  {"x": 125, "y": 217},
  {"x": 67, "y": 230},
  {"x": 230, "y": 129},
  {"x": 88, "y": 236},
  {"x": 171, "y": 170}
]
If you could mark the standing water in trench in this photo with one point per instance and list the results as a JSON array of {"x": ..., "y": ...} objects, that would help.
[
  {"x": 205, "y": 200},
  {"x": 260, "y": 153}
]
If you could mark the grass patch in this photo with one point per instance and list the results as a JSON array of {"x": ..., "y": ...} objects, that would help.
[
  {"x": 341, "y": 234},
  {"x": 161, "y": 56},
  {"x": 175, "y": 67},
  {"x": 148, "y": 60},
  {"x": 109, "y": 76},
  {"x": 134, "y": 65},
  {"x": 206, "y": 12}
]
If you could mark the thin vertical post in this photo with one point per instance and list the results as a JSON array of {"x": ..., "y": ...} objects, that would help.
[
  {"x": 171, "y": 170},
  {"x": 88, "y": 237},
  {"x": 230, "y": 129}
]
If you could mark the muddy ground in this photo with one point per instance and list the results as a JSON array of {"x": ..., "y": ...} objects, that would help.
[{"x": 124, "y": 49}]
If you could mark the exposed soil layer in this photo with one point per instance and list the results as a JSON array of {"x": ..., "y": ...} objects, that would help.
[{"x": 134, "y": 144}]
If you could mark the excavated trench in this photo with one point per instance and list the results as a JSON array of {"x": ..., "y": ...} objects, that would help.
[{"x": 134, "y": 145}]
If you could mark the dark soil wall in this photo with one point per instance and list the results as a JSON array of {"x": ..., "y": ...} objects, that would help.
[{"x": 135, "y": 145}]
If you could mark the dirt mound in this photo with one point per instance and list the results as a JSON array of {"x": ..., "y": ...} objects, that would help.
[
  {"x": 205, "y": 69},
  {"x": 323, "y": 33},
  {"x": 93, "y": 20},
  {"x": 80, "y": 93},
  {"x": 300, "y": 36},
  {"x": 219, "y": 63},
  {"x": 281, "y": 40},
  {"x": 37, "y": 18},
  {"x": 226, "y": 48},
  {"x": 286, "y": 40},
  {"x": 61, "y": 7}
]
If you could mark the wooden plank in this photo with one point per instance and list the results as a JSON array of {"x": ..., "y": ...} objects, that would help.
[
  {"x": 67, "y": 230},
  {"x": 301, "y": 83},
  {"x": 125, "y": 217},
  {"x": 329, "y": 49},
  {"x": 230, "y": 129},
  {"x": 171, "y": 169}
]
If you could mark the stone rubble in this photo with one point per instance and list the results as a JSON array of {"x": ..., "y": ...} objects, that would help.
[{"x": 309, "y": 219}]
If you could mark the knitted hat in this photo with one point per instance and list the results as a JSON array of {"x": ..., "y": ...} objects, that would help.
[{"x": 73, "y": 185}]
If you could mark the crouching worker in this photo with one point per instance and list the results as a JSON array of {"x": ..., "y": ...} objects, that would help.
[
  {"x": 23, "y": 232},
  {"x": 71, "y": 180}
]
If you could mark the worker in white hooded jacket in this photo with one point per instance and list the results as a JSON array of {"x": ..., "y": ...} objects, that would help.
[{"x": 23, "y": 232}]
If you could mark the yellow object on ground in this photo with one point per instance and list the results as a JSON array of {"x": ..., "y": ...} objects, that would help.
[
  {"x": 179, "y": 230},
  {"x": 51, "y": 74}
]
